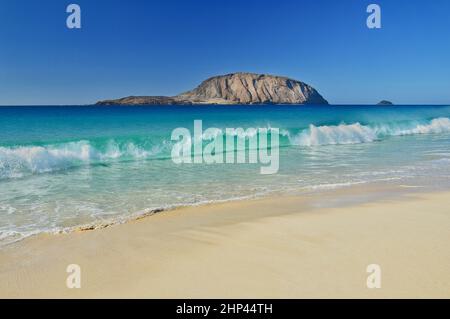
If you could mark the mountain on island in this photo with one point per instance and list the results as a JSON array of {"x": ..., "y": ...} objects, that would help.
[{"x": 235, "y": 88}]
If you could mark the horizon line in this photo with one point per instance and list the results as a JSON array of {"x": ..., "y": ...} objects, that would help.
[{"x": 231, "y": 105}]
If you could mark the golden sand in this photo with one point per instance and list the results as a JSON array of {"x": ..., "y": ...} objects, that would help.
[{"x": 285, "y": 247}]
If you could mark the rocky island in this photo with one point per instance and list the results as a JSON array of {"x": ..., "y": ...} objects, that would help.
[
  {"x": 235, "y": 88},
  {"x": 385, "y": 102}
]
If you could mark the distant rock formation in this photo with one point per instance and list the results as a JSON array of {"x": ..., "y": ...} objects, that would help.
[
  {"x": 144, "y": 100},
  {"x": 235, "y": 88},
  {"x": 384, "y": 102}
]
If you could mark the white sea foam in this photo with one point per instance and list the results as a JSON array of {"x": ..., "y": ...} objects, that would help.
[
  {"x": 357, "y": 133},
  {"x": 19, "y": 161},
  {"x": 11, "y": 236},
  {"x": 16, "y": 162}
]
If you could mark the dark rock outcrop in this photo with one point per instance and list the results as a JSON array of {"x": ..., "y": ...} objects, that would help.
[
  {"x": 384, "y": 102},
  {"x": 143, "y": 100}
]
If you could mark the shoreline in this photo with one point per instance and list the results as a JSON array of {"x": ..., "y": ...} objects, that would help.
[
  {"x": 281, "y": 247},
  {"x": 371, "y": 187}
]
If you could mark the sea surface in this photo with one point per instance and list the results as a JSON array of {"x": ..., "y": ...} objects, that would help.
[{"x": 62, "y": 167}]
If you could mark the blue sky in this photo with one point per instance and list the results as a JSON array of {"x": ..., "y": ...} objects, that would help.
[{"x": 165, "y": 47}]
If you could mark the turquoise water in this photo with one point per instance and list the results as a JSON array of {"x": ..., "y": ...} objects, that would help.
[{"x": 62, "y": 167}]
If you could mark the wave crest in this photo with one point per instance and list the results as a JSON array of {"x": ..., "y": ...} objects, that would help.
[
  {"x": 21, "y": 161},
  {"x": 357, "y": 133},
  {"x": 16, "y": 162}
]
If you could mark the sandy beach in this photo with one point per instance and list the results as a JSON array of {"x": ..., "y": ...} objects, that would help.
[{"x": 285, "y": 247}]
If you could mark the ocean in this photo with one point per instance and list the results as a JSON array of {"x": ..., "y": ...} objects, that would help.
[{"x": 62, "y": 167}]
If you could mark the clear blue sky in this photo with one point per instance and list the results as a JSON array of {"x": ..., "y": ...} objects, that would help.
[{"x": 166, "y": 47}]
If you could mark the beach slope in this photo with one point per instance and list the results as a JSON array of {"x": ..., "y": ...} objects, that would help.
[{"x": 271, "y": 248}]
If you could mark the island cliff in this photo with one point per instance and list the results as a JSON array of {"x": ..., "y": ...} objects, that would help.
[{"x": 235, "y": 88}]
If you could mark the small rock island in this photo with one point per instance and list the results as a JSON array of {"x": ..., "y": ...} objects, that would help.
[
  {"x": 235, "y": 88},
  {"x": 385, "y": 102}
]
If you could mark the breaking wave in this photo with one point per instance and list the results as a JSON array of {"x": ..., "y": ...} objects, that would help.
[
  {"x": 19, "y": 161},
  {"x": 357, "y": 133},
  {"x": 16, "y": 162}
]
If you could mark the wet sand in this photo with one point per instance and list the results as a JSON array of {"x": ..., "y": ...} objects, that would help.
[{"x": 314, "y": 246}]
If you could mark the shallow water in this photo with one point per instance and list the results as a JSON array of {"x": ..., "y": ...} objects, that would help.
[{"x": 61, "y": 167}]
